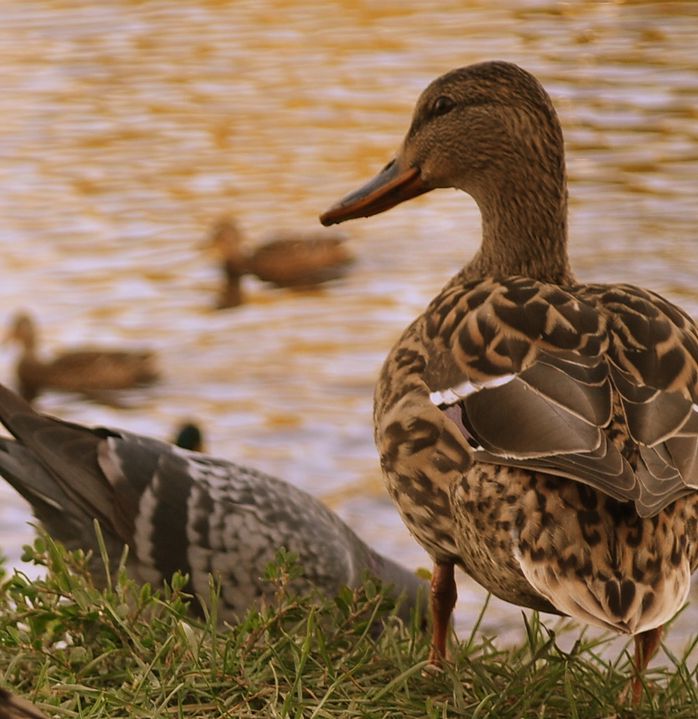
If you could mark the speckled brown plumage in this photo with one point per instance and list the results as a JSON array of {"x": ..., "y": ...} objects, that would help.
[{"x": 540, "y": 433}]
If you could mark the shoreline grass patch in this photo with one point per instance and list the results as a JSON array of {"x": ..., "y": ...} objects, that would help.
[{"x": 131, "y": 651}]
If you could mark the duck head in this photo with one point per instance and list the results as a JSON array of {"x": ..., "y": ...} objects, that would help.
[
  {"x": 490, "y": 130},
  {"x": 225, "y": 239},
  {"x": 22, "y": 330},
  {"x": 472, "y": 128}
]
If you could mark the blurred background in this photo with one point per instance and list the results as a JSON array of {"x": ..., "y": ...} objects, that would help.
[{"x": 127, "y": 129}]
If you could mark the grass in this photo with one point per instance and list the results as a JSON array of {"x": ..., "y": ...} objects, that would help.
[{"x": 128, "y": 651}]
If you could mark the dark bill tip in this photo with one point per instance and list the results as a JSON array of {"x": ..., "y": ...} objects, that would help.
[{"x": 388, "y": 188}]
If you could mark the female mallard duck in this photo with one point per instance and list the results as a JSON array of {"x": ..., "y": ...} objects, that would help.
[
  {"x": 289, "y": 260},
  {"x": 181, "y": 511},
  {"x": 14, "y": 707},
  {"x": 540, "y": 433},
  {"x": 86, "y": 370}
]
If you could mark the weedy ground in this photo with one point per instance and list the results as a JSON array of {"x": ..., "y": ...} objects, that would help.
[{"x": 129, "y": 651}]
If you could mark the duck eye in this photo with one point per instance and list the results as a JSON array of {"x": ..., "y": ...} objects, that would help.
[{"x": 442, "y": 105}]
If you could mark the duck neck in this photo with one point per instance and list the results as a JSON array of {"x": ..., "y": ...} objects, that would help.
[
  {"x": 28, "y": 342},
  {"x": 524, "y": 230},
  {"x": 231, "y": 292}
]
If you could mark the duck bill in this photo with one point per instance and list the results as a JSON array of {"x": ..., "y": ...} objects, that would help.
[{"x": 391, "y": 186}]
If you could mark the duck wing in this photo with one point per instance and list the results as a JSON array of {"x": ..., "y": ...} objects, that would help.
[
  {"x": 309, "y": 259},
  {"x": 89, "y": 368},
  {"x": 594, "y": 383}
]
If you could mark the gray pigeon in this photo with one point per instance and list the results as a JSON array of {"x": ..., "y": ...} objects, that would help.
[{"x": 181, "y": 510}]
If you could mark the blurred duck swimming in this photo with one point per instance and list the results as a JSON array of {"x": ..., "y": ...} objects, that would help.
[
  {"x": 181, "y": 510},
  {"x": 87, "y": 370},
  {"x": 540, "y": 433},
  {"x": 288, "y": 260}
]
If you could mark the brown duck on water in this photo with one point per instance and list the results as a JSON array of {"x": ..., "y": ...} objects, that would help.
[
  {"x": 288, "y": 260},
  {"x": 88, "y": 370},
  {"x": 540, "y": 433}
]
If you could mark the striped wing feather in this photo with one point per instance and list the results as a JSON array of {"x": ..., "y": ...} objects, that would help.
[
  {"x": 593, "y": 383},
  {"x": 69, "y": 451}
]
